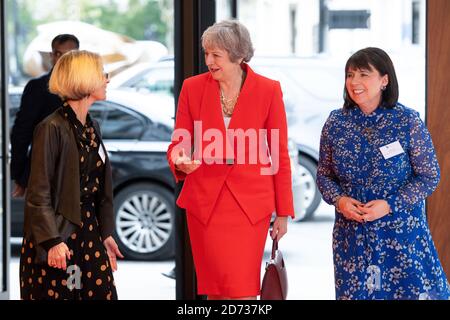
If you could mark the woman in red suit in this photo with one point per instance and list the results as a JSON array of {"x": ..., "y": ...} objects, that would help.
[{"x": 230, "y": 148}]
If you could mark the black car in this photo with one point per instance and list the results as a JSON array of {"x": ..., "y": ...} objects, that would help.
[{"x": 136, "y": 133}]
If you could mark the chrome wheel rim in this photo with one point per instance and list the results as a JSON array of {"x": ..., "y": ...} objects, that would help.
[
  {"x": 144, "y": 222},
  {"x": 304, "y": 188}
]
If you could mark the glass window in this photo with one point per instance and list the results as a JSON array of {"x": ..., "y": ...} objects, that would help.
[
  {"x": 98, "y": 111},
  {"x": 3, "y": 221},
  {"x": 14, "y": 104},
  {"x": 224, "y": 9},
  {"x": 304, "y": 44},
  {"x": 14, "y": 100},
  {"x": 125, "y": 33},
  {"x": 155, "y": 80},
  {"x": 416, "y": 22},
  {"x": 120, "y": 124},
  {"x": 157, "y": 132}
]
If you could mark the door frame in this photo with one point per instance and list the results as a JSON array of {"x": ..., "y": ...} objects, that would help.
[
  {"x": 192, "y": 17},
  {"x": 5, "y": 194},
  {"x": 437, "y": 119}
]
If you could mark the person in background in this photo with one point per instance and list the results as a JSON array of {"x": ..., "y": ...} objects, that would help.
[
  {"x": 377, "y": 165},
  {"x": 36, "y": 104}
]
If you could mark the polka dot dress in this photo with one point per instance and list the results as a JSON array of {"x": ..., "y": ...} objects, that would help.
[{"x": 89, "y": 274}]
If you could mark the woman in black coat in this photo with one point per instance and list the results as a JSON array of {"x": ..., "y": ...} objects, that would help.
[{"x": 68, "y": 251}]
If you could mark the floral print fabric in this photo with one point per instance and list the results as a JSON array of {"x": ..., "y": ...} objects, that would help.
[{"x": 393, "y": 257}]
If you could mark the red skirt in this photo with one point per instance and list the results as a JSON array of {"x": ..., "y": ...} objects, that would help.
[{"x": 228, "y": 251}]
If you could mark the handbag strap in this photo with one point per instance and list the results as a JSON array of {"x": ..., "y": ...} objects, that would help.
[{"x": 274, "y": 247}]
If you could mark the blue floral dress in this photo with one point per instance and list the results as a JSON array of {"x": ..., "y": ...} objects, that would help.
[{"x": 393, "y": 257}]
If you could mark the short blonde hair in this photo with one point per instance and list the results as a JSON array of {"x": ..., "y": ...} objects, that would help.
[
  {"x": 231, "y": 36},
  {"x": 76, "y": 75}
]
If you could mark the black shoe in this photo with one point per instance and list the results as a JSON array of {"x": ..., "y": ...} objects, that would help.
[{"x": 170, "y": 274}]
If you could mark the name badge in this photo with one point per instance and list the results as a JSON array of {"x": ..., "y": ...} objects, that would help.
[
  {"x": 391, "y": 150},
  {"x": 101, "y": 153}
]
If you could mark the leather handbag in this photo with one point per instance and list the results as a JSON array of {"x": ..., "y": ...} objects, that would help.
[{"x": 275, "y": 285}]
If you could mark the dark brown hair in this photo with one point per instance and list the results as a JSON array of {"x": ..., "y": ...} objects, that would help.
[
  {"x": 63, "y": 38},
  {"x": 370, "y": 58}
]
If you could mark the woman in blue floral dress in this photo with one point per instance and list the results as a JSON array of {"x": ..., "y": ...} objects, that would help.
[{"x": 377, "y": 165}]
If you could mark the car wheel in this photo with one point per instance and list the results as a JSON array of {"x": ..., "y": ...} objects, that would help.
[
  {"x": 145, "y": 222},
  {"x": 306, "y": 194}
]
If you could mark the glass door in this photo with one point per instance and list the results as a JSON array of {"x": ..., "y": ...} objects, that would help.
[
  {"x": 135, "y": 41},
  {"x": 304, "y": 44},
  {"x": 4, "y": 211}
]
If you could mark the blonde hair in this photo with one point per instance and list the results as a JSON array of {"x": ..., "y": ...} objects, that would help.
[
  {"x": 76, "y": 75},
  {"x": 231, "y": 36}
]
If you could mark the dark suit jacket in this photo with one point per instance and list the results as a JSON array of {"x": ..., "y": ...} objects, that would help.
[
  {"x": 37, "y": 103},
  {"x": 52, "y": 202}
]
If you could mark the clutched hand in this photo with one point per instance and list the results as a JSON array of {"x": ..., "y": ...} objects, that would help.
[
  {"x": 184, "y": 163},
  {"x": 374, "y": 210},
  {"x": 350, "y": 208},
  {"x": 279, "y": 228}
]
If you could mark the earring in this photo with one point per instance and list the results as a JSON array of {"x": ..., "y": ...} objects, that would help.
[{"x": 383, "y": 88}]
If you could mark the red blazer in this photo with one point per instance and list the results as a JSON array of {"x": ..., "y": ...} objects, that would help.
[{"x": 260, "y": 106}]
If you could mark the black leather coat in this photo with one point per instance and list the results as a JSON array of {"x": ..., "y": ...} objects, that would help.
[{"x": 52, "y": 202}]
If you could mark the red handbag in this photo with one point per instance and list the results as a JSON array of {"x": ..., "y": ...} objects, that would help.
[{"x": 274, "y": 285}]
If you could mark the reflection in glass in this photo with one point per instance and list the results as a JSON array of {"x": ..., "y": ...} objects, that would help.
[{"x": 121, "y": 125}]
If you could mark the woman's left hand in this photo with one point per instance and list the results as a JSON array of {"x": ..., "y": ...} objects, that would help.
[
  {"x": 279, "y": 228},
  {"x": 374, "y": 210},
  {"x": 113, "y": 251}
]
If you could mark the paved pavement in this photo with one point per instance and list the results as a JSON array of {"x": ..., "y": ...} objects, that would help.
[{"x": 306, "y": 249}]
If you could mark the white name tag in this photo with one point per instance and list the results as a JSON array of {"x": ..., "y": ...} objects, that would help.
[
  {"x": 101, "y": 153},
  {"x": 391, "y": 150}
]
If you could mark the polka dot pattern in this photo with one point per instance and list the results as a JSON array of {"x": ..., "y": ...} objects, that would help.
[{"x": 91, "y": 277}]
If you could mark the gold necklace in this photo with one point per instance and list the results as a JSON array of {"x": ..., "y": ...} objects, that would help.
[{"x": 229, "y": 104}]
